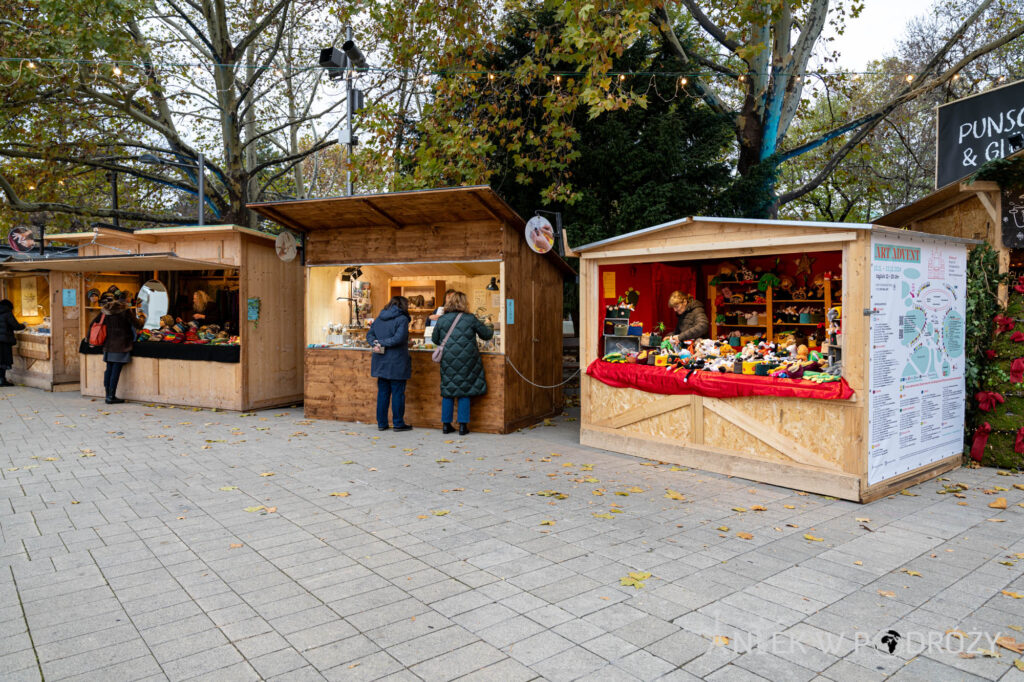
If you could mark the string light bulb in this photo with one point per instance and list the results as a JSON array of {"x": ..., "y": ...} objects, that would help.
[
  {"x": 558, "y": 80},
  {"x": 622, "y": 76},
  {"x": 31, "y": 185},
  {"x": 117, "y": 70},
  {"x": 490, "y": 76},
  {"x": 683, "y": 81},
  {"x": 279, "y": 73},
  {"x": 744, "y": 78},
  {"x": 910, "y": 78},
  {"x": 31, "y": 65},
  {"x": 956, "y": 76}
]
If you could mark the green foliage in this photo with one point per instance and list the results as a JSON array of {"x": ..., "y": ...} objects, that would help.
[
  {"x": 983, "y": 280},
  {"x": 1006, "y": 172}
]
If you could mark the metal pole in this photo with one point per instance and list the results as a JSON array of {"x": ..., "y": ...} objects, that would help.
[
  {"x": 113, "y": 196},
  {"x": 201, "y": 184},
  {"x": 348, "y": 118}
]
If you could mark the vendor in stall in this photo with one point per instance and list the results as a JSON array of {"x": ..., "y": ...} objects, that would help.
[
  {"x": 692, "y": 322},
  {"x": 204, "y": 310}
]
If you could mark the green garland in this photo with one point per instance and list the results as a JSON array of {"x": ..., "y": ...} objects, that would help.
[
  {"x": 983, "y": 280},
  {"x": 1006, "y": 172}
]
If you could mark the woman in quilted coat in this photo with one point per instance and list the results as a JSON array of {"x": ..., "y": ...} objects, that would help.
[
  {"x": 462, "y": 371},
  {"x": 8, "y": 325}
]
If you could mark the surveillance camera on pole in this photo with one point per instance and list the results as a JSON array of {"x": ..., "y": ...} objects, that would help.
[
  {"x": 334, "y": 61},
  {"x": 355, "y": 57}
]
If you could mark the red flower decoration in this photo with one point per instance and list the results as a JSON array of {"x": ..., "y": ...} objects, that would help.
[
  {"x": 987, "y": 400},
  {"x": 980, "y": 441},
  {"x": 1017, "y": 337},
  {"x": 1017, "y": 370},
  {"x": 1004, "y": 323},
  {"x": 990, "y": 354},
  {"x": 1018, "y": 444}
]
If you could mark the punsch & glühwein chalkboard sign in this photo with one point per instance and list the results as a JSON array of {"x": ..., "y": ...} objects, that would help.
[{"x": 977, "y": 129}]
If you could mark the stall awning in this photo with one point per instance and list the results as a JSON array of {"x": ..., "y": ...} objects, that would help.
[{"x": 132, "y": 263}]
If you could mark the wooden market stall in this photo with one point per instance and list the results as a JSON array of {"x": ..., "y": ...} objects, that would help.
[
  {"x": 46, "y": 355},
  {"x": 894, "y": 418},
  {"x": 260, "y": 297},
  {"x": 361, "y": 250}
]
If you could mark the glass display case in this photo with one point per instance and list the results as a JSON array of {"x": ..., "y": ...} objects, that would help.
[{"x": 342, "y": 301}]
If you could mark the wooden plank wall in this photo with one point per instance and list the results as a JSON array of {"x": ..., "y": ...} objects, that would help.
[
  {"x": 171, "y": 382},
  {"x": 272, "y": 348},
  {"x": 339, "y": 386},
  {"x": 224, "y": 247},
  {"x": 414, "y": 243},
  {"x": 534, "y": 342}
]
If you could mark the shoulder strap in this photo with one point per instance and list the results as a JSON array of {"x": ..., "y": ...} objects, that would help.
[{"x": 450, "y": 330}]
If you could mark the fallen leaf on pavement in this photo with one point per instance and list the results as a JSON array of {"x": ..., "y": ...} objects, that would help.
[
  {"x": 720, "y": 640},
  {"x": 887, "y": 593},
  {"x": 858, "y": 563},
  {"x": 1011, "y": 644},
  {"x": 229, "y": 487},
  {"x": 339, "y": 495},
  {"x": 267, "y": 473},
  {"x": 998, "y": 503},
  {"x": 758, "y": 507},
  {"x": 745, "y": 536},
  {"x": 739, "y": 509},
  {"x": 634, "y": 579},
  {"x": 909, "y": 572},
  {"x": 439, "y": 512},
  {"x": 810, "y": 537},
  {"x": 1012, "y": 595},
  {"x": 789, "y": 506},
  {"x": 603, "y": 516},
  {"x": 234, "y": 545},
  {"x": 863, "y": 519},
  {"x": 724, "y": 529},
  {"x": 271, "y": 510},
  {"x": 254, "y": 509},
  {"x": 674, "y": 495},
  {"x": 908, "y": 493},
  {"x": 1019, "y": 665},
  {"x": 959, "y": 634},
  {"x": 547, "y": 522}
]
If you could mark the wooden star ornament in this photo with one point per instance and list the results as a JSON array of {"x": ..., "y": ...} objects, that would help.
[{"x": 803, "y": 265}]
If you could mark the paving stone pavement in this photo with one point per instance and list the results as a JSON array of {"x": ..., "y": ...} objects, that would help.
[{"x": 144, "y": 542}]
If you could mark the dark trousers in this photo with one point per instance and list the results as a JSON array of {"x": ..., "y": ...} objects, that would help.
[
  {"x": 392, "y": 391},
  {"x": 448, "y": 407},
  {"x": 111, "y": 376}
]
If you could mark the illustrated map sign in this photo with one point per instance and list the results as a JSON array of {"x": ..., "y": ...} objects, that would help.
[
  {"x": 1013, "y": 217},
  {"x": 916, "y": 382},
  {"x": 977, "y": 129},
  {"x": 539, "y": 234},
  {"x": 21, "y": 239}
]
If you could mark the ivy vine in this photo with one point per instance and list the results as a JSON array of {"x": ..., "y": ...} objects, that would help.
[{"x": 983, "y": 280}]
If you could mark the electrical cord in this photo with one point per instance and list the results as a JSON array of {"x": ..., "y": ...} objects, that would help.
[{"x": 538, "y": 385}]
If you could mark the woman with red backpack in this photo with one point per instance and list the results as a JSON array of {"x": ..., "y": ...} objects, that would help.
[{"x": 120, "y": 326}]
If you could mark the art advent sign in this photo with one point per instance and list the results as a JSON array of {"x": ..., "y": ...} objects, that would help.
[{"x": 977, "y": 129}]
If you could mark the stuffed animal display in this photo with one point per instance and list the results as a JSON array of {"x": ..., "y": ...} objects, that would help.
[{"x": 177, "y": 331}]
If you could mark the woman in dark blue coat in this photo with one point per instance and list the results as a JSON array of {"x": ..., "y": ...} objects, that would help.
[{"x": 393, "y": 367}]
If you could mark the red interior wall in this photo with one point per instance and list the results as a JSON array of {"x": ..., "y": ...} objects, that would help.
[{"x": 655, "y": 282}]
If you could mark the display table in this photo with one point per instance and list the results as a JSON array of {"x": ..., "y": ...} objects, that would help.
[
  {"x": 339, "y": 386},
  {"x": 712, "y": 384},
  {"x": 201, "y": 352}
]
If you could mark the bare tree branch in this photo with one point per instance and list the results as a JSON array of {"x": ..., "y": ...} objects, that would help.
[{"x": 705, "y": 23}]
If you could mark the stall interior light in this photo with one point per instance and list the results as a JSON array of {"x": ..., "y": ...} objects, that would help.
[{"x": 493, "y": 284}]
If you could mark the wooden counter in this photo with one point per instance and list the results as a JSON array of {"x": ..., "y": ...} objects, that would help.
[
  {"x": 339, "y": 386},
  {"x": 172, "y": 382}
]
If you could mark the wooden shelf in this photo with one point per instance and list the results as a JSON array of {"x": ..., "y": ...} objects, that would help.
[{"x": 832, "y": 298}]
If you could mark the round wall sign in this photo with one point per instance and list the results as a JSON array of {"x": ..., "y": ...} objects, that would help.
[
  {"x": 539, "y": 234},
  {"x": 286, "y": 246},
  {"x": 21, "y": 239}
]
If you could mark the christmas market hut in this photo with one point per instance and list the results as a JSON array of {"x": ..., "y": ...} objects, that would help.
[
  {"x": 362, "y": 250},
  {"x": 832, "y": 360},
  {"x": 991, "y": 208},
  {"x": 46, "y": 352},
  {"x": 223, "y": 313}
]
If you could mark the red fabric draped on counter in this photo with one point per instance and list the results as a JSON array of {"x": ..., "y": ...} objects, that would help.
[{"x": 712, "y": 384}]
